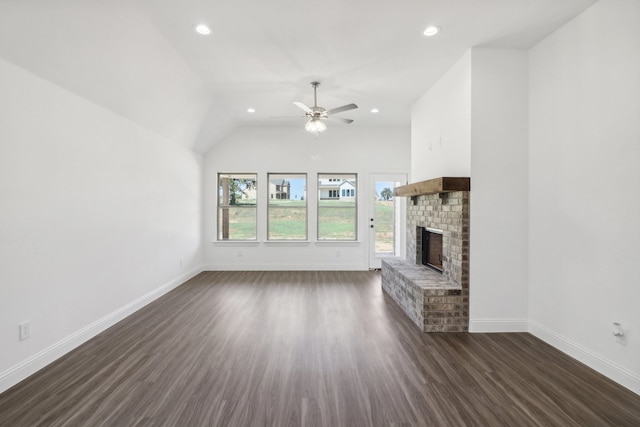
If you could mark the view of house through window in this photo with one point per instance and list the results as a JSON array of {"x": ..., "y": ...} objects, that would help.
[
  {"x": 287, "y": 207},
  {"x": 237, "y": 206},
  {"x": 337, "y": 206}
]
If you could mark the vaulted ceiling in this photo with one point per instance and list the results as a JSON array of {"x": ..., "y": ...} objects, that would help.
[{"x": 142, "y": 59}]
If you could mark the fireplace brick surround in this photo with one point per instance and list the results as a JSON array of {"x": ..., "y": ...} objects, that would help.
[{"x": 435, "y": 302}]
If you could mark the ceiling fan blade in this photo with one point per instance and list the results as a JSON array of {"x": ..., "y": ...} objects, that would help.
[
  {"x": 340, "y": 119},
  {"x": 303, "y": 107},
  {"x": 343, "y": 108}
]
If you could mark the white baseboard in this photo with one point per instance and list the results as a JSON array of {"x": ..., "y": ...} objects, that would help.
[
  {"x": 595, "y": 361},
  {"x": 498, "y": 325},
  {"x": 285, "y": 267},
  {"x": 22, "y": 370}
]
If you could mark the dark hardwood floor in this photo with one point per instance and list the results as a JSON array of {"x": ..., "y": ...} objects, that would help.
[{"x": 307, "y": 349}]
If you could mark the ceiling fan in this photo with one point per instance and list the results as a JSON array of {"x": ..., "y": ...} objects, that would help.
[{"x": 317, "y": 115}]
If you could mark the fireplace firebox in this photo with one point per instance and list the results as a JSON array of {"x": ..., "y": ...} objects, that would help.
[{"x": 432, "y": 248}]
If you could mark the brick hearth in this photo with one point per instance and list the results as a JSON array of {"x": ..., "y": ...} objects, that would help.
[{"x": 436, "y": 302}]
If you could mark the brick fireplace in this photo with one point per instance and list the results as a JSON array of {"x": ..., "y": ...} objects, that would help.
[{"x": 437, "y": 301}]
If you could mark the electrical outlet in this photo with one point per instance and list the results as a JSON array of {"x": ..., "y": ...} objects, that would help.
[
  {"x": 338, "y": 254},
  {"x": 619, "y": 333},
  {"x": 239, "y": 254},
  {"x": 24, "y": 330},
  {"x": 180, "y": 262},
  {"x": 617, "y": 330}
]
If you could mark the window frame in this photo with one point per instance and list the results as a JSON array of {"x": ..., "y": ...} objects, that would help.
[
  {"x": 335, "y": 177},
  {"x": 270, "y": 205},
  {"x": 221, "y": 206}
]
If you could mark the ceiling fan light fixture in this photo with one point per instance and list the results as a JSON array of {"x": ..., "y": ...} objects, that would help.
[
  {"x": 315, "y": 126},
  {"x": 317, "y": 114}
]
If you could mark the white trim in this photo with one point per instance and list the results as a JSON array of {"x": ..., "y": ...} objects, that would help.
[
  {"x": 595, "y": 361},
  {"x": 601, "y": 364},
  {"x": 287, "y": 242},
  {"x": 235, "y": 242},
  {"x": 498, "y": 325},
  {"x": 286, "y": 267},
  {"x": 22, "y": 370},
  {"x": 249, "y": 243},
  {"x": 338, "y": 242},
  {"x": 29, "y": 366}
]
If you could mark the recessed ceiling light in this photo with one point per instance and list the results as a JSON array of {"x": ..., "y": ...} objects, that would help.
[
  {"x": 431, "y": 30},
  {"x": 251, "y": 110},
  {"x": 375, "y": 110},
  {"x": 203, "y": 29}
]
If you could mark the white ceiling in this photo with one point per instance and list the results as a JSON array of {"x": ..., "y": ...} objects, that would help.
[{"x": 142, "y": 60}]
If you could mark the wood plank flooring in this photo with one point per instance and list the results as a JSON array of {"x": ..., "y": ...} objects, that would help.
[{"x": 307, "y": 349}]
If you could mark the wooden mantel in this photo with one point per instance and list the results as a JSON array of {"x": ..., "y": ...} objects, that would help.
[{"x": 433, "y": 186}]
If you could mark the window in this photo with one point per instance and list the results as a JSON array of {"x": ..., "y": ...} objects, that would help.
[
  {"x": 337, "y": 206},
  {"x": 237, "y": 206},
  {"x": 287, "y": 208}
]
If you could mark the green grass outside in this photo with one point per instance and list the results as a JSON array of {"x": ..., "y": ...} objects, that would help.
[
  {"x": 384, "y": 227},
  {"x": 337, "y": 222},
  {"x": 336, "y": 203},
  {"x": 287, "y": 221},
  {"x": 287, "y": 203},
  {"x": 242, "y": 224}
]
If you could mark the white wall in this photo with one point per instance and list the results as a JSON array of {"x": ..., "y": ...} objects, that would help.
[
  {"x": 585, "y": 188},
  {"x": 566, "y": 206},
  {"x": 261, "y": 150},
  {"x": 478, "y": 109},
  {"x": 441, "y": 126},
  {"x": 499, "y": 190},
  {"x": 96, "y": 214}
]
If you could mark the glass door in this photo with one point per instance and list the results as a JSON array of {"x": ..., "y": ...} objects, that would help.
[{"x": 386, "y": 218}]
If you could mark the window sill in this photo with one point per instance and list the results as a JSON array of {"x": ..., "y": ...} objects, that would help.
[
  {"x": 235, "y": 242},
  {"x": 338, "y": 242},
  {"x": 287, "y": 242}
]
